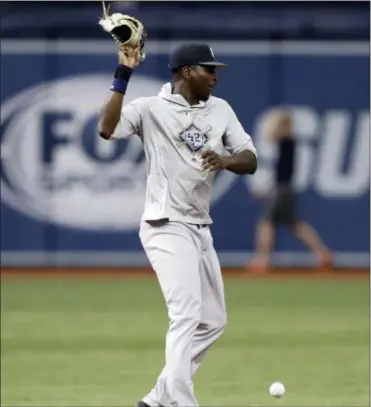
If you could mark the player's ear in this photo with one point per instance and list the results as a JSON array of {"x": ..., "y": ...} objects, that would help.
[{"x": 186, "y": 72}]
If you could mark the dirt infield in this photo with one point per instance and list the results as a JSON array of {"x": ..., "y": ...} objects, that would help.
[{"x": 134, "y": 273}]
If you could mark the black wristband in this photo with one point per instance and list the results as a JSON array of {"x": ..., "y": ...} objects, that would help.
[{"x": 123, "y": 72}]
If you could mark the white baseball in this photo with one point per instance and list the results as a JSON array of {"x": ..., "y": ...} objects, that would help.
[{"x": 277, "y": 389}]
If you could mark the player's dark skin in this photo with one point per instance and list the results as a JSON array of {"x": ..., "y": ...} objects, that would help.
[{"x": 195, "y": 84}]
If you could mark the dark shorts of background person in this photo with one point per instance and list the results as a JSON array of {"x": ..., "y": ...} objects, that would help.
[{"x": 280, "y": 206}]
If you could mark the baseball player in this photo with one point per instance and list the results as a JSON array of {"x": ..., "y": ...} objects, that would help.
[
  {"x": 184, "y": 131},
  {"x": 280, "y": 203}
]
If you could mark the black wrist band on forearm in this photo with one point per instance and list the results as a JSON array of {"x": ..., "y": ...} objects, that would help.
[
  {"x": 123, "y": 72},
  {"x": 121, "y": 80}
]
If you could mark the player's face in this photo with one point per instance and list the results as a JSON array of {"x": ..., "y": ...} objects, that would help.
[{"x": 202, "y": 81}]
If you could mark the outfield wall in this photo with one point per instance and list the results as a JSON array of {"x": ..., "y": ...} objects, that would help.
[{"x": 70, "y": 199}]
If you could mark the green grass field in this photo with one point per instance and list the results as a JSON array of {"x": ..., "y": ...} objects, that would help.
[{"x": 94, "y": 342}]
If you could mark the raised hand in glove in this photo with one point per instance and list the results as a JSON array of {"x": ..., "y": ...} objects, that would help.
[
  {"x": 129, "y": 56},
  {"x": 127, "y": 31}
]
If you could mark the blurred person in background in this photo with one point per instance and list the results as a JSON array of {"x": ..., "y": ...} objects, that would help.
[{"x": 279, "y": 205}]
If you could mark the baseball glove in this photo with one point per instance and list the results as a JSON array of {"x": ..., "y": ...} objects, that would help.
[{"x": 125, "y": 30}]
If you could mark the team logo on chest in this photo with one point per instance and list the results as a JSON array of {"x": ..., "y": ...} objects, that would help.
[{"x": 194, "y": 138}]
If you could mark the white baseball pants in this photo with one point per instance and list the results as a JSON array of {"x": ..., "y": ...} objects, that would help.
[{"x": 188, "y": 270}]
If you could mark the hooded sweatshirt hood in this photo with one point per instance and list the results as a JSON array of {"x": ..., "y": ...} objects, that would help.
[{"x": 165, "y": 93}]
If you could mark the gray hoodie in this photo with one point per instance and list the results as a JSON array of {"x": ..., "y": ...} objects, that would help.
[{"x": 173, "y": 134}]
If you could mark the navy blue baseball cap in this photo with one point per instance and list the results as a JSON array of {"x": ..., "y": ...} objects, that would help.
[{"x": 193, "y": 54}]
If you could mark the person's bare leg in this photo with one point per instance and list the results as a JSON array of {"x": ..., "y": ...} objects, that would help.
[
  {"x": 309, "y": 236},
  {"x": 264, "y": 245}
]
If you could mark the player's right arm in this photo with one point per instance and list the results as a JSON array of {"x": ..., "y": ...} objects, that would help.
[{"x": 110, "y": 114}]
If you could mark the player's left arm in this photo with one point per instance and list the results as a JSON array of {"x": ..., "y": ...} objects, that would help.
[
  {"x": 243, "y": 157},
  {"x": 244, "y": 162}
]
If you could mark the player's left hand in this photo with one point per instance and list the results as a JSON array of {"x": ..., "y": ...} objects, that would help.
[{"x": 211, "y": 161}]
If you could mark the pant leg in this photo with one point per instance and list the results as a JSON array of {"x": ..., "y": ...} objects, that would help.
[
  {"x": 175, "y": 258},
  {"x": 213, "y": 312}
]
